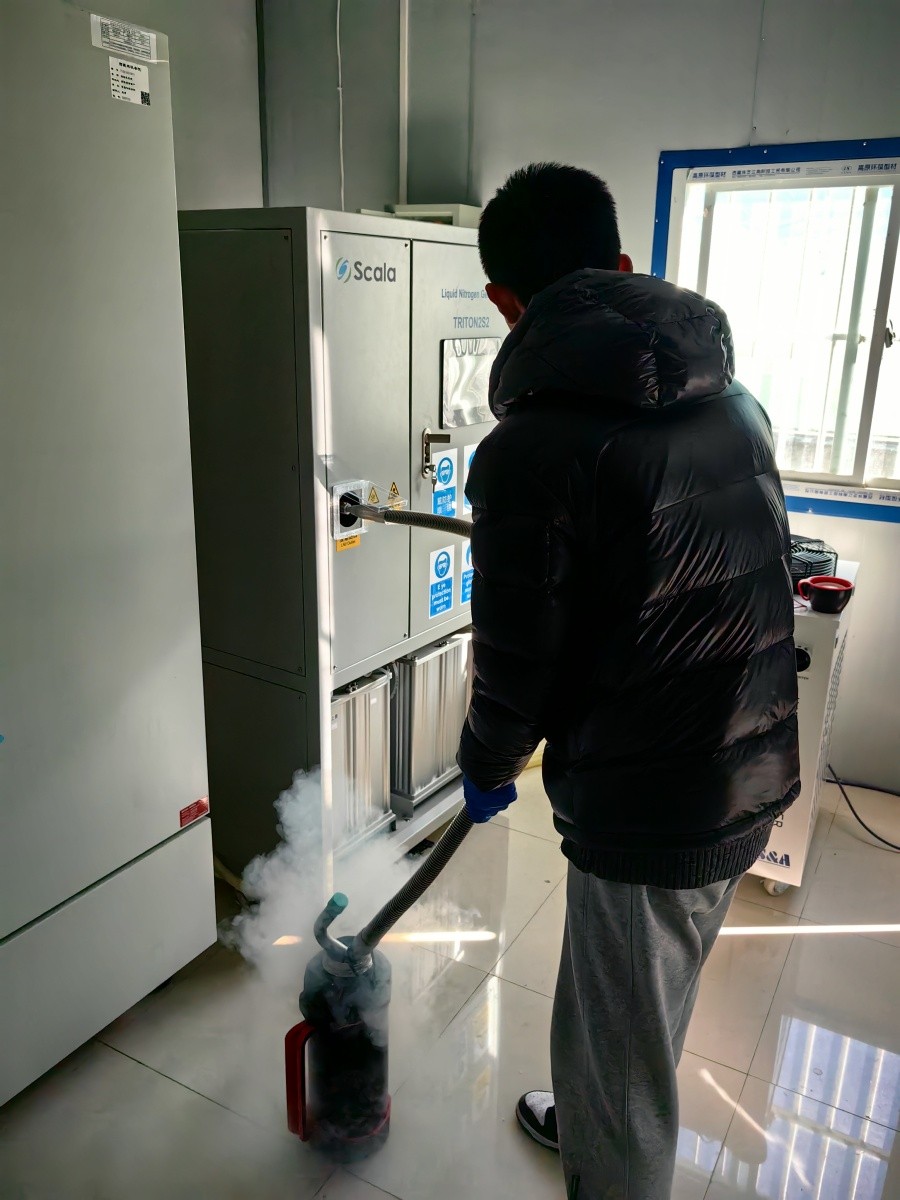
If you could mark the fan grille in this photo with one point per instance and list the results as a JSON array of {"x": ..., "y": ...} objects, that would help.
[{"x": 811, "y": 556}]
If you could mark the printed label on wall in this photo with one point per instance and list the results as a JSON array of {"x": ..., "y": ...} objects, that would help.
[
  {"x": 123, "y": 38},
  {"x": 129, "y": 81},
  {"x": 468, "y": 455},
  {"x": 443, "y": 501},
  {"x": 467, "y": 575},
  {"x": 440, "y": 582}
]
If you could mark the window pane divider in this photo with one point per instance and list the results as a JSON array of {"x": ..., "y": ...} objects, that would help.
[
  {"x": 882, "y": 303},
  {"x": 852, "y": 338},
  {"x": 709, "y": 207}
]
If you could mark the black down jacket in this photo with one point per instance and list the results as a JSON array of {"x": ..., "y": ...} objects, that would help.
[{"x": 632, "y": 599}]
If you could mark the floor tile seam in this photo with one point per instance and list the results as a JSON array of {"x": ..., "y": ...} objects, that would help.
[
  {"x": 556, "y": 840},
  {"x": 876, "y": 937},
  {"x": 847, "y": 823},
  {"x": 767, "y": 908},
  {"x": 187, "y": 1087},
  {"x": 485, "y": 975},
  {"x": 734, "y": 1113},
  {"x": 488, "y": 975},
  {"x": 523, "y": 987},
  {"x": 325, "y": 1184},
  {"x": 869, "y": 937},
  {"x": 725, "y": 1136},
  {"x": 528, "y": 923},
  {"x": 492, "y": 968},
  {"x": 818, "y": 862},
  {"x": 793, "y": 943},
  {"x": 847, "y": 1112},
  {"x": 716, "y": 1063},
  {"x": 487, "y": 970},
  {"x": 382, "y": 1191}
]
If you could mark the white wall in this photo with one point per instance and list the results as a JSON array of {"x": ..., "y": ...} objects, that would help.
[
  {"x": 302, "y": 102},
  {"x": 608, "y": 84},
  {"x": 215, "y": 95}
]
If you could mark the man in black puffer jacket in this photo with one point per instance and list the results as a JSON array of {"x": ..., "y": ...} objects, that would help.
[{"x": 632, "y": 605}]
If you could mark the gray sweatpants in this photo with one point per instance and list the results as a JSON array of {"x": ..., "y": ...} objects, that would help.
[{"x": 628, "y": 981}]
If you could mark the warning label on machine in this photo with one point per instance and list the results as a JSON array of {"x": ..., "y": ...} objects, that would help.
[
  {"x": 193, "y": 812},
  {"x": 440, "y": 582},
  {"x": 468, "y": 455},
  {"x": 443, "y": 502},
  {"x": 467, "y": 575}
]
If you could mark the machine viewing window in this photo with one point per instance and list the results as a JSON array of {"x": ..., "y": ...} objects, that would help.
[
  {"x": 803, "y": 258},
  {"x": 467, "y": 366}
]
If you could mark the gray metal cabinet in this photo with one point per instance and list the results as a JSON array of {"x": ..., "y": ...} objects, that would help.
[{"x": 365, "y": 348}]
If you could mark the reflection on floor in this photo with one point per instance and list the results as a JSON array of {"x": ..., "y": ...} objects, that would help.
[{"x": 790, "y": 1086}]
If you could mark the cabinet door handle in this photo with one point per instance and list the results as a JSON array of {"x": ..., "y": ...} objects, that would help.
[{"x": 430, "y": 439}]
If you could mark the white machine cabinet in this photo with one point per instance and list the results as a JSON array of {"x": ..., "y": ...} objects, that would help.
[
  {"x": 106, "y": 882},
  {"x": 821, "y": 640}
]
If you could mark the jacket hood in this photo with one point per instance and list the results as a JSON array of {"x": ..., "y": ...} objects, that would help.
[{"x": 628, "y": 339}]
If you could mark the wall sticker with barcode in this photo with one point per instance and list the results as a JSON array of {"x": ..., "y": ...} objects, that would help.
[{"x": 129, "y": 81}]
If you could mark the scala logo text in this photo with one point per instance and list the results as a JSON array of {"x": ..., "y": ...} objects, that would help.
[{"x": 345, "y": 270}]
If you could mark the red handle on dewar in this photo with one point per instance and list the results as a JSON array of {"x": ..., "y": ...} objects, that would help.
[{"x": 295, "y": 1078}]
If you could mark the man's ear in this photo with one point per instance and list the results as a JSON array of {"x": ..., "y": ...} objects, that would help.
[
  {"x": 625, "y": 264},
  {"x": 505, "y": 299}
]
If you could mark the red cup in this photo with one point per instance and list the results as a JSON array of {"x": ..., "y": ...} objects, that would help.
[{"x": 826, "y": 593}]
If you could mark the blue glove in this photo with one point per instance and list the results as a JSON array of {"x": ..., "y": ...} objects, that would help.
[{"x": 481, "y": 806}]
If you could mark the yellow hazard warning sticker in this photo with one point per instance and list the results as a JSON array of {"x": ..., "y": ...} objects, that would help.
[
  {"x": 394, "y": 493},
  {"x": 348, "y": 543},
  {"x": 373, "y": 496}
]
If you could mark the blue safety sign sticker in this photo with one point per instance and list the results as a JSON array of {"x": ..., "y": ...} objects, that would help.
[
  {"x": 440, "y": 582},
  {"x": 468, "y": 455},
  {"x": 443, "y": 501},
  {"x": 467, "y": 574}
]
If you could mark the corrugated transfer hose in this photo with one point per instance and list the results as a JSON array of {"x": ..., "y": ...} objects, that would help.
[
  {"x": 402, "y": 516},
  {"x": 415, "y": 887}
]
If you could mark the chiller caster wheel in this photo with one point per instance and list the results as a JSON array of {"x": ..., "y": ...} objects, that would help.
[{"x": 774, "y": 888}]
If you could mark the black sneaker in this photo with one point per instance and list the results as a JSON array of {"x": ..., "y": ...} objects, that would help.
[{"x": 536, "y": 1113}]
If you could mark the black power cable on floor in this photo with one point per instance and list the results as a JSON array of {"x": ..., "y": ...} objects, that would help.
[{"x": 876, "y": 836}]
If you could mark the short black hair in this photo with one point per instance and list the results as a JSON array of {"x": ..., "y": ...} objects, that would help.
[{"x": 545, "y": 222}]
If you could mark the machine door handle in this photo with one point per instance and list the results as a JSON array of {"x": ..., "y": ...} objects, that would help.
[
  {"x": 295, "y": 1078},
  {"x": 430, "y": 439}
]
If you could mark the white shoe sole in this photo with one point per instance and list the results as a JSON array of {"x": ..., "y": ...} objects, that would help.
[{"x": 534, "y": 1135}]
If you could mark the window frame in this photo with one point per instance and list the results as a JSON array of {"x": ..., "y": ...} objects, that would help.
[{"x": 675, "y": 169}]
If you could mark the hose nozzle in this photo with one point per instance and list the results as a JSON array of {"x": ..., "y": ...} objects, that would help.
[
  {"x": 329, "y": 943},
  {"x": 352, "y": 958}
]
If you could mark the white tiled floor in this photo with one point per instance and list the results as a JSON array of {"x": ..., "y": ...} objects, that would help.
[{"x": 790, "y": 1086}]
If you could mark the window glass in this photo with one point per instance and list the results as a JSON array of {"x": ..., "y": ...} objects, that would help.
[
  {"x": 797, "y": 270},
  {"x": 884, "y": 443}
]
